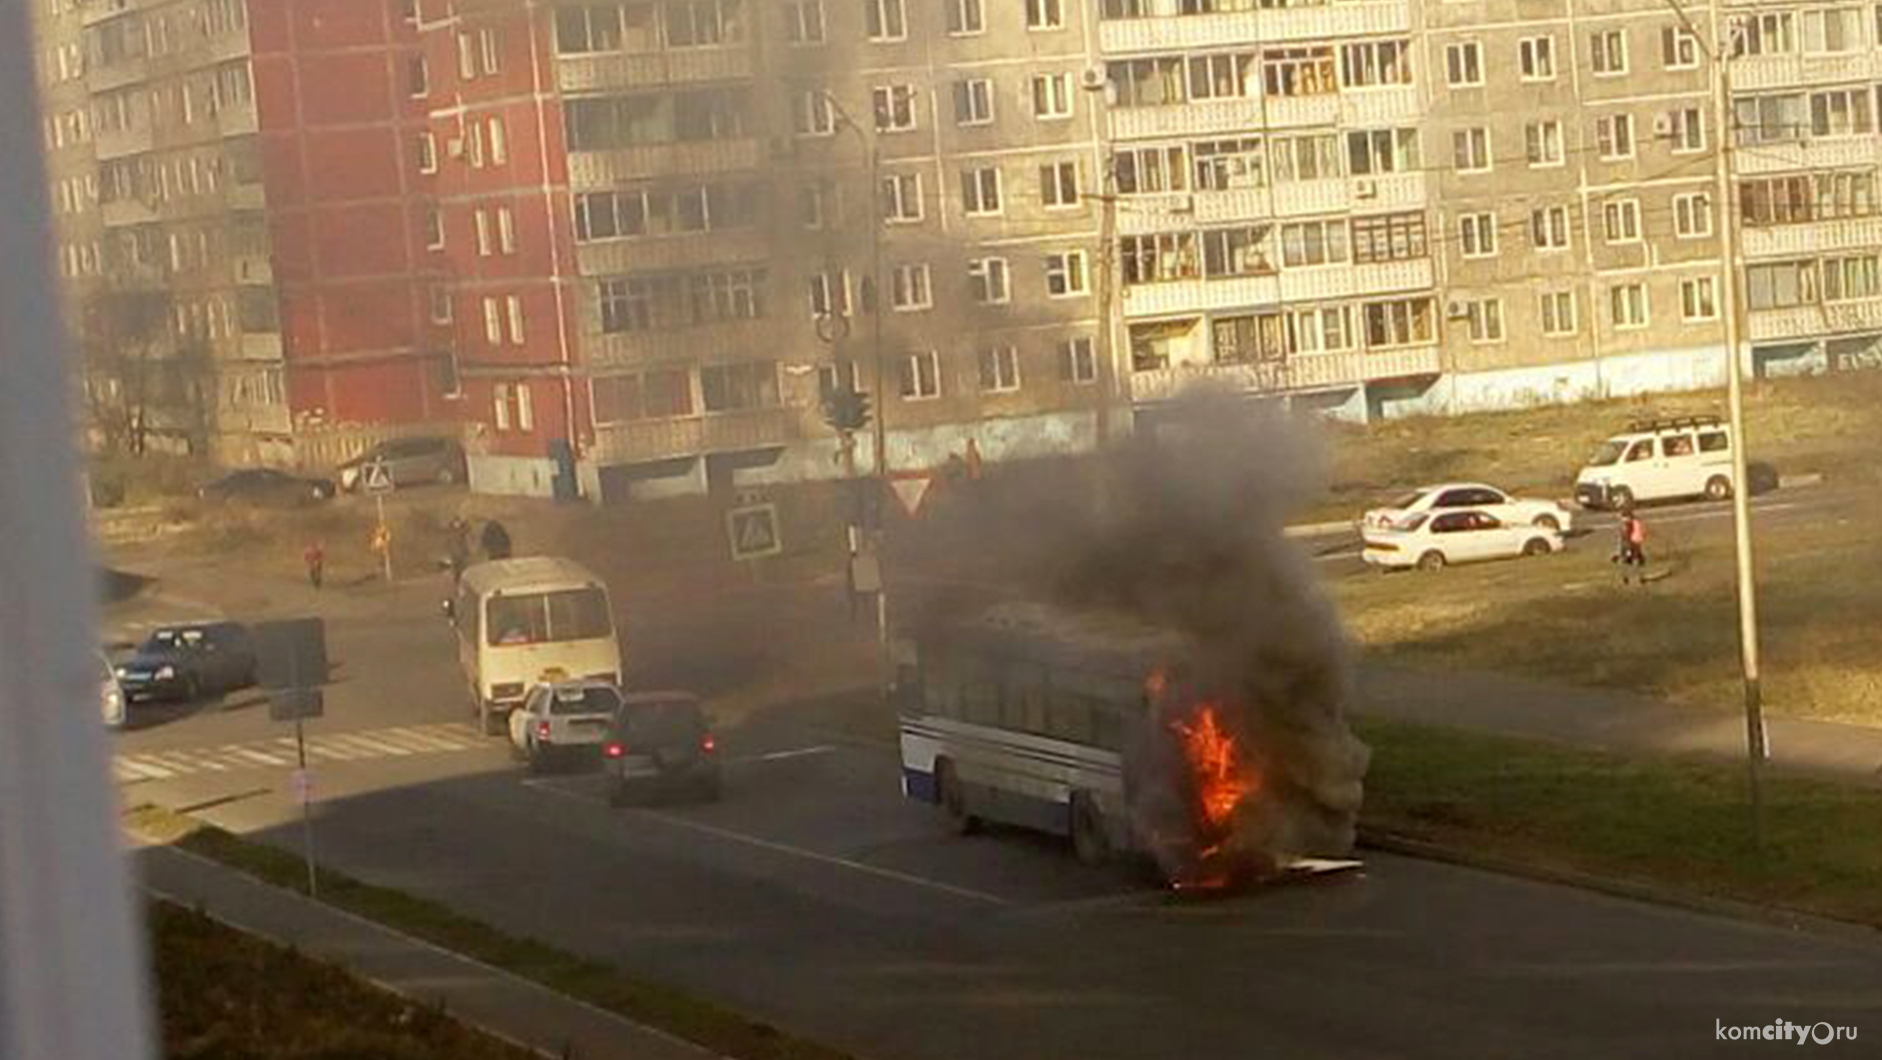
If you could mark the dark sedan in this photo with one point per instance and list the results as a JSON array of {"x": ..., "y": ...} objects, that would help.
[
  {"x": 184, "y": 663},
  {"x": 266, "y": 485}
]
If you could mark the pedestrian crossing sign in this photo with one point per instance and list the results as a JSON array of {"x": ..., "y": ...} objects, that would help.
[
  {"x": 753, "y": 530},
  {"x": 378, "y": 477}
]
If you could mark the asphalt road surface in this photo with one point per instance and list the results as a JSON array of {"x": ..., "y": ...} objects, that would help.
[{"x": 814, "y": 896}]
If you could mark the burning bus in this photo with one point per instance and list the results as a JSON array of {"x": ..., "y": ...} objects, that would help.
[{"x": 1130, "y": 741}]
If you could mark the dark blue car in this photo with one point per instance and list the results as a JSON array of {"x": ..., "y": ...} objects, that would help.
[{"x": 187, "y": 662}]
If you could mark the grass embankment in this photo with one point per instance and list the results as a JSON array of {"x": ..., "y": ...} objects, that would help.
[
  {"x": 225, "y": 995},
  {"x": 1675, "y": 823},
  {"x": 682, "y": 1015},
  {"x": 1566, "y": 618}
]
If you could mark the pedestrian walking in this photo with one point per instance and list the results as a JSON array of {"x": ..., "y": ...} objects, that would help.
[
  {"x": 1633, "y": 553},
  {"x": 315, "y": 557},
  {"x": 496, "y": 540},
  {"x": 457, "y": 546}
]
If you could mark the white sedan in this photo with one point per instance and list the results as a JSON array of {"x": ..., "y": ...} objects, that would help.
[
  {"x": 1434, "y": 541},
  {"x": 1475, "y": 496}
]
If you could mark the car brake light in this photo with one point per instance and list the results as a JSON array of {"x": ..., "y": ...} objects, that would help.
[
  {"x": 614, "y": 750},
  {"x": 708, "y": 744},
  {"x": 542, "y": 729}
]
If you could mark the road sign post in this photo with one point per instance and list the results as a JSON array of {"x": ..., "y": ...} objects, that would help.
[
  {"x": 377, "y": 478},
  {"x": 291, "y": 665}
]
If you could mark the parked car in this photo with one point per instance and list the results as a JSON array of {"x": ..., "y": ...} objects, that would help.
[
  {"x": 110, "y": 694},
  {"x": 266, "y": 485},
  {"x": 562, "y": 719},
  {"x": 1435, "y": 540},
  {"x": 409, "y": 462},
  {"x": 661, "y": 742},
  {"x": 1690, "y": 456},
  {"x": 187, "y": 662},
  {"x": 1473, "y": 495}
]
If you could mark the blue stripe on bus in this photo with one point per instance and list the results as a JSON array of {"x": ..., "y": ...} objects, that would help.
[{"x": 1017, "y": 750}]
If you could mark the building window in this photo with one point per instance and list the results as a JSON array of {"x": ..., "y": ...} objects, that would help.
[
  {"x": 434, "y": 229},
  {"x": 1484, "y": 320},
  {"x": 738, "y": 387},
  {"x": 1627, "y": 305},
  {"x": 731, "y": 294},
  {"x": 973, "y": 101},
  {"x": 1463, "y": 65},
  {"x": 909, "y": 288},
  {"x": 980, "y": 191},
  {"x": 1614, "y": 136},
  {"x": 1471, "y": 150},
  {"x": 480, "y": 221},
  {"x": 1781, "y": 285},
  {"x": 1052, "y": 96},
  {"x": 1697, "y": 299},
  {"x": 489, "y": 52},
  {"x": 500, "y": 405},
  {"x": 830, "y": 293},
  {"x": 1224, "y": 165},
  {"x": 514, "y": 304},
  {"x": 1607, "y": 52},
  {"x": 1313, "y": 243},
  {"x": 703, "y": 23},
  {"x": 803, "y": 21},
  {"x": 1152, "y": 170},
  {"x": 1246, "y": 250},
  {"x": 1476, "y": 235},
  {"x": 628, "y": 304},
  {"x": 816, "y": 205},
  {"x": 986, "y": 280},
  {"x": 1159, "y": 258},
  {"x": 466, "y": 57},
  {"x": 1045, "y": 14},
  {"x": 1548, "y": 228},
  {"x": 1692, "y": 215},
  {"x": 582, "y": 29},
  {"x": 493, "y": 321},
  {"x": 1847, "y": 279},
  {"x": 1536, "y": 58},
  {"x": 1689, "y": 130},
  {"x": 811, "y": 113},
  {"x": 1065, "y": 274},
  {"x": 886, "y": 20},
  {"x": 1389, "y": 237},
  {"x": 1058, "y": 185},
  {"x": 1379, "y": 151},
  {"x": 1384, "y": 62},
  {"x": 1832, "y": 29},
  {"x": 1542, "y": 141},
  {"x": 1077, "y": 362},
  {"x": 966, "y": 16},
  {"x": 999, "y": 369},
  {"x": 921, "y": 376},
  {"x": 1620, "y": 220},
  {"x": 901, "y": 198},
  {"x": 1297, "y": 72},
  {"x": 1400, "y": 322},
  {"x": 894, "y": 107},
  {"x": 1558, "y": 313},
  {"x": 1770, "y": 33},
  {"x": 417, "y": 77},
  {"x": 1679, "y": 48},
  {"x": 1842, "y": 112},
  {"x": 499, "y": 142},
  {"x": 427, "y": 153},
  {"x": 440, "y": 303}
]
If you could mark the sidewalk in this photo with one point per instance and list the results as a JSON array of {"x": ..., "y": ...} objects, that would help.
[
  {"x": 484, "y": 997},
  {"x": 1612, "y": 720}
]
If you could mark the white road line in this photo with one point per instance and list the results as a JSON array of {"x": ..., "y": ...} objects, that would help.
[
  {"x": 251, "y": 754},
  {"x": 405, "y": 742},
  {"x": 419, "y": 739},
  {"x": 191, "y": 762},
  {"x": 779, "y": 756},
  {"x": 320, "y": 746},
  {"x": 790, "y": 851},
  {"x": 140, "y": 769},
  {"x": 368, "y": 746}
]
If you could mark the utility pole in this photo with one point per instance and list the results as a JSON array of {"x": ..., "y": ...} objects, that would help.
[
  {"x": 1101, "y": 93},
  {"x": 1721, "y": 49},
  {"x": 71, "y": 952}
]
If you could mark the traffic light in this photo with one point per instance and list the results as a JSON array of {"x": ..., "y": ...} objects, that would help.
[{"x": 846, "y": 409}]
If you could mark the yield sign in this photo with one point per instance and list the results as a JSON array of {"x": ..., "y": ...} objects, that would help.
[{"x": 911, "y": 491}]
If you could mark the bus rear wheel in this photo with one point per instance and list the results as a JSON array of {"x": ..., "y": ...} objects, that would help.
[
  {"x": 1090, "y": 842},
  {"x": 954, "y": 799}
]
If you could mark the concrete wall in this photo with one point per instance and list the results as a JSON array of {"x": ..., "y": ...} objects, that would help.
[
  {"x": 1557, "y": 384},
  {"x": 514, "y": 475}
]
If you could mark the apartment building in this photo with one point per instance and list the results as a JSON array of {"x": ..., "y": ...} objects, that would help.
[
  {"x": 255, "y": 287},
  {"x": 78, "y": 228},
  {"x": 674, "y": 229}
]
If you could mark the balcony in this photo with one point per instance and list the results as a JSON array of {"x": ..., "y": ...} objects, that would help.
[
  {"x": 126, "y": 212},
  {"x": 245, "y": 197},
  {"x": 605, "y": 169},
  {"x": 1816, "y": 153},
  {"x": 671, "y": 252},
  {"x": 1353, "y": 281},
  {"x": 1198, "y": 296},
  {"x": 1806, "y": 322},
  {"x": 1192, "y": 119},
  {"x": 1394, "y": 105},
  {"x": 1168, "y": 31},
  {"x": 117, "y": 75},
  {"x": 1304, "y": 372},
  {"x": 118, "y": 143},
  {"x": 713, "y": 433},
  {"x": 589, "y": 73},
  {"x": 1753, "y": 73},
  {"x": 238, "y": 120},
  {"x": 1805, "y": 240},
  {"x": 643, "y": 348},
  {"x": 261, "y": 346}
]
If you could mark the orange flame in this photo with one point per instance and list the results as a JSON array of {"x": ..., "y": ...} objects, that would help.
[{"x": 1222, "y": 779}]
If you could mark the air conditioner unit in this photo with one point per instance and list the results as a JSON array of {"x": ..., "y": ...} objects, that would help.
[
  {"x": 1457, "y": 310},
  {"x": 1365, "y": 188},
  {"x": 1091, "y": 78},
  {"x": 1662, "y": 125}
]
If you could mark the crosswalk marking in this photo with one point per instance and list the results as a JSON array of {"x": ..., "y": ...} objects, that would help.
[{"x": 281, "y": 753}]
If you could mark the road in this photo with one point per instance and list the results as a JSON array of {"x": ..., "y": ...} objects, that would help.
[{"x": 815, "y": 897}]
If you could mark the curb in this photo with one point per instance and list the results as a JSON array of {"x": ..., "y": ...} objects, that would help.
[{"x": 1389, "y": 842}]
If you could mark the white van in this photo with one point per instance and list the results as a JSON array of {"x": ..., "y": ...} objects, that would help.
[
  {"x": 1659, "y": 460},
  {"x": 524, "y": 621}
]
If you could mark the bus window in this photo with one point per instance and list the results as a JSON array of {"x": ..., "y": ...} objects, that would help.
[
  {"x": 545, "y": 618},
  {"x": 1068, "y": 717},
  {"x": 1107, "y": 727},
  {"x": 1024, "y": 709},
  {"x": 940, "y": 686},
  {"x": 980, "y": 692}
]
